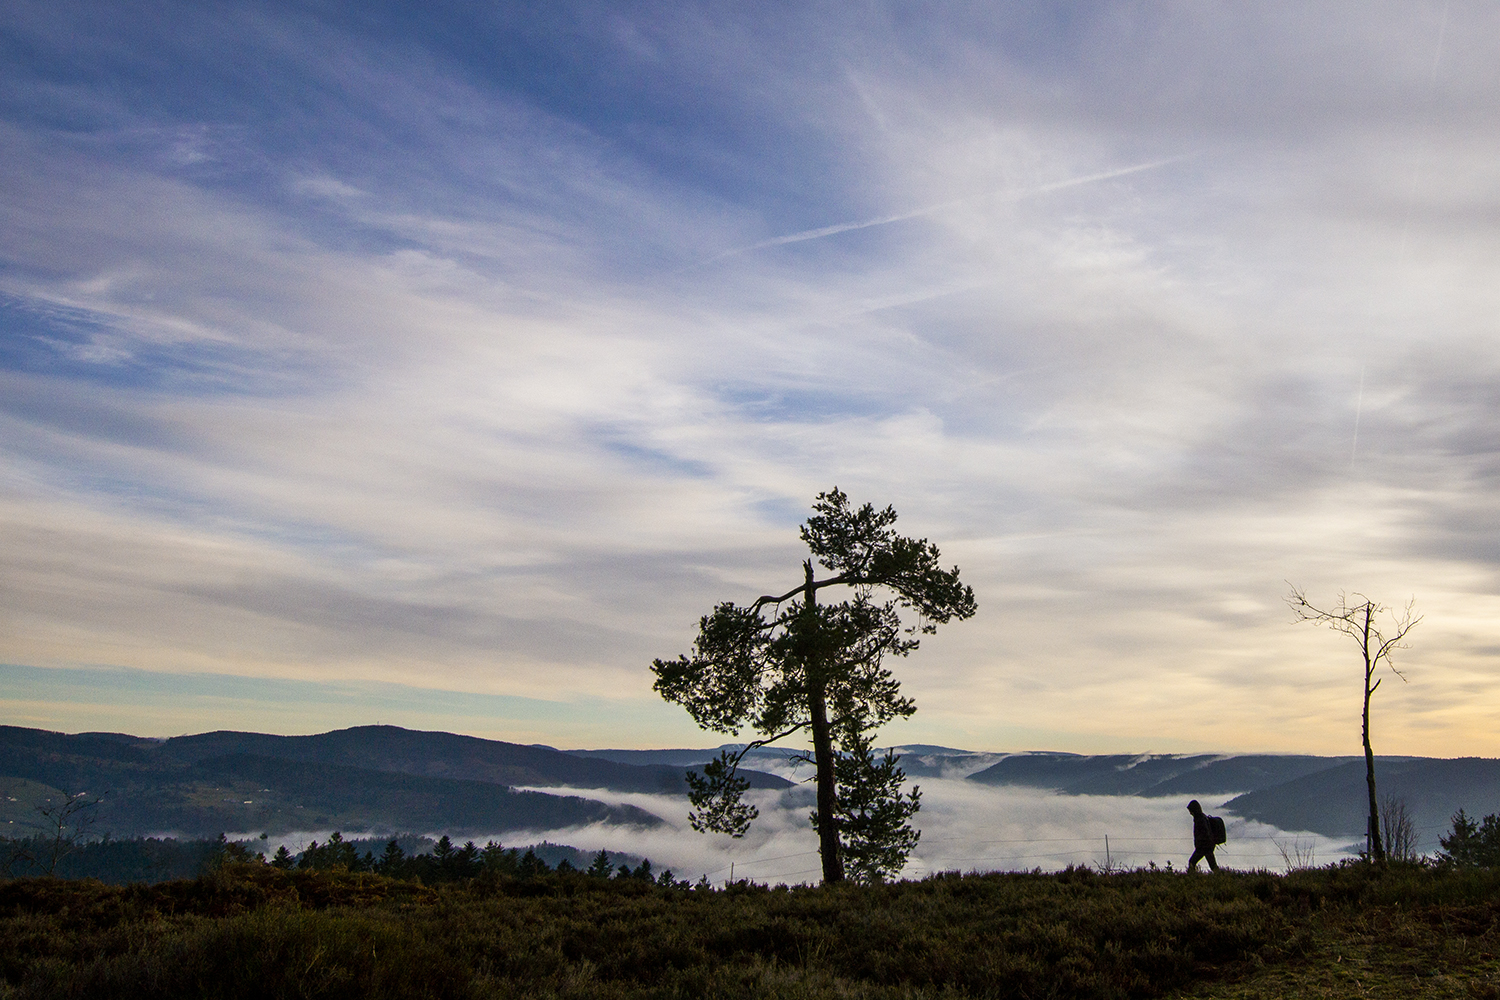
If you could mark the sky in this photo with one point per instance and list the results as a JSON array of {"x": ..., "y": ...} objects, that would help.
[{"x": 439, "y": 366}]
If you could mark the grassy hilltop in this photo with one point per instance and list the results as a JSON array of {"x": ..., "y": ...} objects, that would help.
[{"x": 249, "y": 930}]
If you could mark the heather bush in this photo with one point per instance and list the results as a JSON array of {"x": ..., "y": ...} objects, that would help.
[{"x": 256, "y": 930}]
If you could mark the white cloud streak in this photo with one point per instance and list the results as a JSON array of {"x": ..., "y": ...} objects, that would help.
[
  {"x": 845, "y": 227},
  {"x": 451, "y": 397}
]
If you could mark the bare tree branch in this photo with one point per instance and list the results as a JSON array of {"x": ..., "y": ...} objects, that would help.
[{"x": 1358, "y": 619}]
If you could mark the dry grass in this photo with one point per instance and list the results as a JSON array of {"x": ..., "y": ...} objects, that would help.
[{"x": 252, "y": 931}]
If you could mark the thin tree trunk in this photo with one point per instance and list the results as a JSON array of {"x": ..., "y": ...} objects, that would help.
[
  {"x": 817, "y": 704},
  {"x": 1377, "y": 849}
]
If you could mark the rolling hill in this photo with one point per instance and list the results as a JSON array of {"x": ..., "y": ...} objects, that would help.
[
  {"x": 445, "y": 755},
  {"x": 1324, "y": 795},
  {"x": 372, "y": 778},
  {"x": 384, "y": 778},
  {"x": 1151, "y": 774}
]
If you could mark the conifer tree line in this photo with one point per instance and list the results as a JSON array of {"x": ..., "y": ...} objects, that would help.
[
  {"x": 447, "y": 862},
  {"x": 150, "y": 860}
]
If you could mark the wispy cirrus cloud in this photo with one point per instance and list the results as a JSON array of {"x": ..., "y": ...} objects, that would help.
[
  {"x": 352, "y": 347},
  {"x": 885, "y": 220}
]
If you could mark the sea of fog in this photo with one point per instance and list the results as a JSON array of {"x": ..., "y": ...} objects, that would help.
[{"x": 966, "y": 826}]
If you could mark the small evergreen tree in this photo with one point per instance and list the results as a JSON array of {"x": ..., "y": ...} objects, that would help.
[
  {"x": 532, "y": 865},
  {"x": 600, "y": 868},
  {"x": 643, "y": 872},
  {"x": 872, "y": 813},
  {"x": 1471, "y": 844},
  {"x": 496, "y": 860},
  {"x": 233, "y": 851},
  {"x": 393, "y": 862},
  {"x": 337, "y": 854},
  {"x": 283, "y": 859},
  {"x": 462, "y": 863}
]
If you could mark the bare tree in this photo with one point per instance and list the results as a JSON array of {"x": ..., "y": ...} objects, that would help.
[
  {"x": 66, "y": 824},
  {"x": 1296, "y": 854},
  {"x": 1398, "y": 828},
  {"x": 1359, "y": 621}
]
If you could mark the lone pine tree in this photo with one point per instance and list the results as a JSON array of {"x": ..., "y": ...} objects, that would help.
[{"x": 791, "y": 664}]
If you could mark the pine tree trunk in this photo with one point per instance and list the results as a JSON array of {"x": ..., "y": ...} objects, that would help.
[{"x": 817, "y": 704}]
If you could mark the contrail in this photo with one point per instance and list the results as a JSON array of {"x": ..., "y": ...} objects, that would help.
[
  {"x": 1359, "y": 405},
  {"x": 1416, "y": 171},
  {"x": 1437, "y": 55},
  {"x": 884, "y": 220}
]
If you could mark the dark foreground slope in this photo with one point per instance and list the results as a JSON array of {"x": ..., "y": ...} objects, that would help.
[{"x": 252, "y": 931}]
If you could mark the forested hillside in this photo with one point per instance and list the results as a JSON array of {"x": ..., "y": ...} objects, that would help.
[
  {"x": 201, "y": 786},
  {"x": 1324, "y": 795}
]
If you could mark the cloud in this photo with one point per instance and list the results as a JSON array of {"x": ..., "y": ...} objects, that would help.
[
  {"x": 342, "y": 348},
  {"x": 964, "y": 827},
  {"x": 885, "y": 220}
]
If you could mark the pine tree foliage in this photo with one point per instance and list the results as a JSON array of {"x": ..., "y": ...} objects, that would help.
[
  {"x": 336, "y": 854},
  {"x": 790, "y": 664},
  {"x": 872, "y": 813},
  {"x": 1471, "y": 844},
  {"x": 393, "y": 858}
]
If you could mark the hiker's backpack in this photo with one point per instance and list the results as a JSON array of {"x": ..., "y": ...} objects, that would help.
[{"x": 1216, "y": 828}]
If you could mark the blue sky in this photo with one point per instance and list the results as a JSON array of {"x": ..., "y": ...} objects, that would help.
[{"x": 440, "y": 368}]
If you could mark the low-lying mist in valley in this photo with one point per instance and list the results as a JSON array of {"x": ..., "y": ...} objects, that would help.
[{"x": 965, "y": 827}]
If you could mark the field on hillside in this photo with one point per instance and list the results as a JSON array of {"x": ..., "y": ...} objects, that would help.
[{"x": 248, "y": 930}]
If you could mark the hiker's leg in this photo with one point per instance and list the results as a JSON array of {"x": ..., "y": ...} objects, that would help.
[
  {"x": 1192, "y": 864},
  {"x": 1212, "y": 864}
]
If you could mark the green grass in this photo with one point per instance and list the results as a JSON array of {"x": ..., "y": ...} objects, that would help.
[{"x": 251, "y": 931}]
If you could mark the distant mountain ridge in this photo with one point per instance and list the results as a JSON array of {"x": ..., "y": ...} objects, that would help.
[
  {"x": 1293, "y": 792},
  {"x": 445, "y": 755},
  {"x": 370, "y": 778},
  {"x": 1334, "y": 801},
  {"x": 1152, "y": 774},
  {"x": 918, "y": 760}
]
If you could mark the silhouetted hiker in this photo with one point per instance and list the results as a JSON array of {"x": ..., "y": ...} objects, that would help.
[{"x": 1203, "y": 838}]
